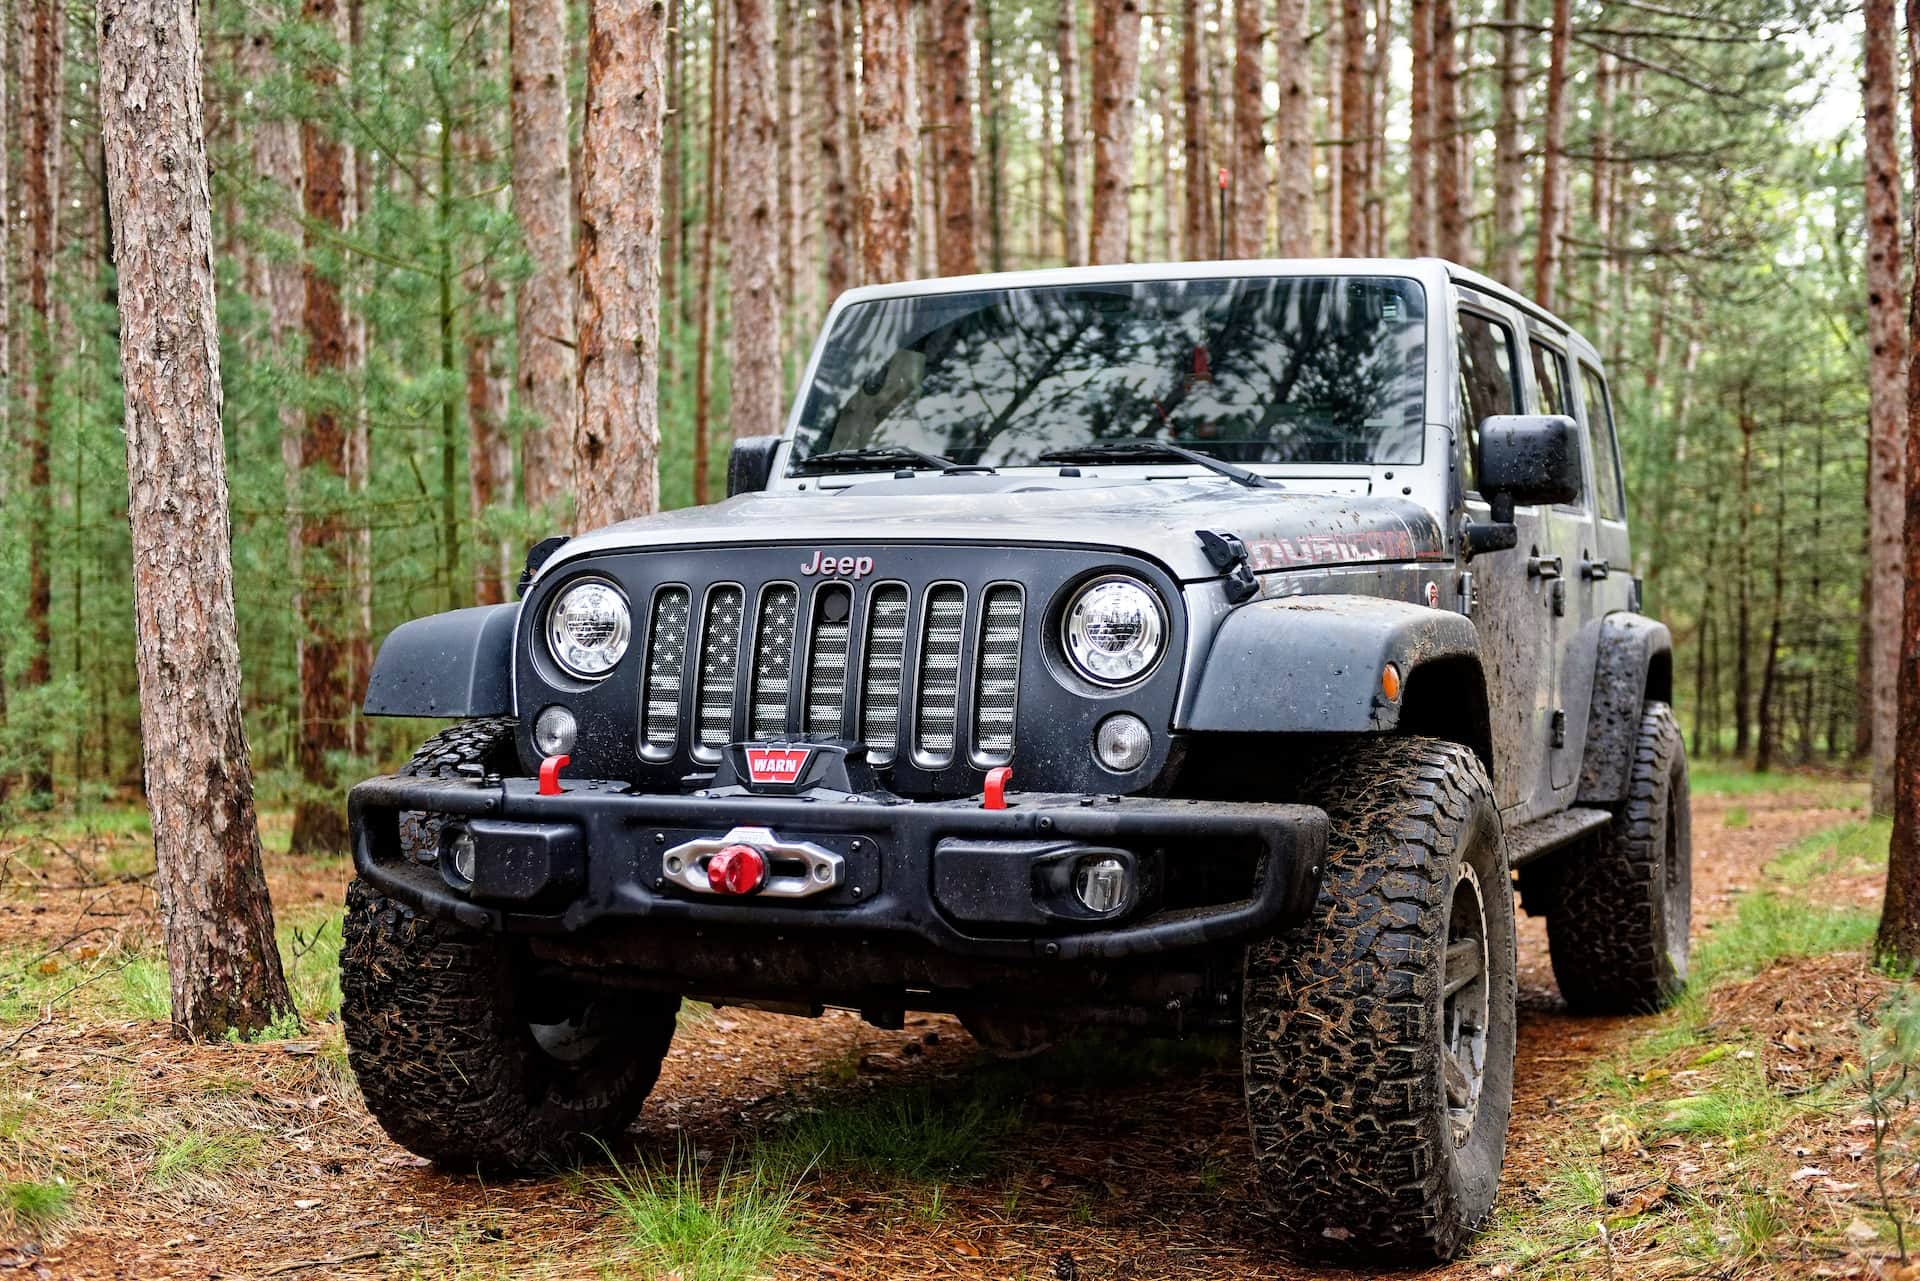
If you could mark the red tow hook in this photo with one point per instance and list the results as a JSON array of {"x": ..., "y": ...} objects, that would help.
[
  {"x": 550, "y": 774},
  {"x": 994, "y": 795},
  {"x": 737, "y": 869}
]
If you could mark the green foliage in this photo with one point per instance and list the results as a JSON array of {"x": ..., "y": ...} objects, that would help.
[
  {"x": 201, "y": 1156},
  {"x": 922, "y": 1134},
  {"x": 725, "y": 1226},
  {"x": 36, "y": 1206}
]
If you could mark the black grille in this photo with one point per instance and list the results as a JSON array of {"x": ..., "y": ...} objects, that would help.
[{"x": 779, "y": 659}]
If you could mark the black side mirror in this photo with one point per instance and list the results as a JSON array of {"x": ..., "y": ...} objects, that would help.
[
  {"x": 750, "y": 465},
  {"x": 1524, "y": 458}
]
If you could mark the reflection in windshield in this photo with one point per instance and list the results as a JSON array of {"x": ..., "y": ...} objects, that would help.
[{"x": 1303, "y": 369}]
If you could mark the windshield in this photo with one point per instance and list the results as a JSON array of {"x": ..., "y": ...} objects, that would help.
[{"x": 1300, "y": 369}]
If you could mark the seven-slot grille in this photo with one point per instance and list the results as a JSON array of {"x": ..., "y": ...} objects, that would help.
[{"x": 848, "y": 651}]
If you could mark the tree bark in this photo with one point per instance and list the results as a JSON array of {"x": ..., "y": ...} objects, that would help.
[
  {"x": 1294, "y": 128},
  {"x": 223, "y": 966},
  {"x": 1420, "y": 125},
  {"x": 1509, "y": 156},
  {"x": 1553, "y": 181},
  {"x": 753, "y": 234},
  {"x": 1116, "y": 76},
  {"x": 1899, "y": 939},
  {"x": 1247, "y": 237},
  {"x": 1353, "y": 126},
  {"x": 6, "y": 299},
  {"x": 326, "y": 703},
  {"x": 1449, "y": 136},
  {"x": 543, "y": 302},
  {"x": 1743, "y": 589},
  {"x": 836, "y": 144},
  {"x": 43, "y": 57},
  {"x": 1073, "y": 143},
  {"x": 993, "y": 139},
  {"x": 1198, "y": 235},
  {"x": 710, "y": 219},
  {"x": 889, "y": 131},
  {"x": 952, "y": 109},
  {"x": 1887, "y": 390},
  {"x": 616, "y": 443}
]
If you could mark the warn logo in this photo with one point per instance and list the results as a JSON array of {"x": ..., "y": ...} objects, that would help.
[{"x": 777, "y": 764}]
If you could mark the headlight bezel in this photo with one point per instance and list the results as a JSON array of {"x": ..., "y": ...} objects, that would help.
[
  {"x": 623, "y": 635},
  {"x": 1159, "y": 631}
]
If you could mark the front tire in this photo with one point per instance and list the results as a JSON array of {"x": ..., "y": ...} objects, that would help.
[
  {"x": 463, "y": 1054},
  {"x": 1623, "y": 904},
  {"x": 1378, "y": 1038}
]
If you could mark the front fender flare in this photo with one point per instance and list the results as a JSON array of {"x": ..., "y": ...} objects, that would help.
[
  {"x": 1311, "y": 664},
  {"x": 1634, "y": 662},
  {"x": 456, "y": 664}
]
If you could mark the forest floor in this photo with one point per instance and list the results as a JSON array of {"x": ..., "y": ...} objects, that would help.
[{"x": 1732, "y": 1137}]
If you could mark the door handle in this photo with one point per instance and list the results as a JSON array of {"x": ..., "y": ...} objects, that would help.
[
  {"x": 1543, "y": 567},
  {"x": 1595, "y": 569}
]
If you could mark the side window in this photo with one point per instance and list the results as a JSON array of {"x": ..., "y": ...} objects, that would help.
[
  {"x": 1602, "y": 444},
  {"x": 1550, "y": 371},
  {"x": 1488, "y": 384}
]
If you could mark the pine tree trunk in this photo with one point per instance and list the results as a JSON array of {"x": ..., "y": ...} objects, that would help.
[
  {"x": 1743, "y": 590},
  {"x": 1450, "y": 212},
  {"x": 889, "y": 132},
  {"x": 223, "y": 966},
  {"x": 616, "y": 449},
  {"x": 951, "y": 106},
  {"x": 43, "y": 57},
  {"x": 710, "y": 218},
  {"x": 753, "y": 232},
  {"x": 1600, "y": 199},
  {"x": 1769, "y": 728},
  {"x": 326, "y": 703},
  {"x": 1899, "y": 939},
  {"x": 1073, "y": 139},
  {"x": 544, "y": 302},
  {"x": 836, "y": 144},
  {"x": 1353, "y": 126},
  {"x": 1509, "y": 156},
  {"x": 1887, "y": 390},
  {"x": 1294, "y": 127},
  {"x": 1116, "y": 78},
  {"x": 1420, "y": 124},
  {"x": 6, "y": 301},
  {"x": 1198, "y": 236},
  {"x": 1553, "y": 182},
  {"x": 1247, "y": 237}
]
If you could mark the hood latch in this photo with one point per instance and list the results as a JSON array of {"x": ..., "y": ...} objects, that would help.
[{"x": 1226, "y": 553}]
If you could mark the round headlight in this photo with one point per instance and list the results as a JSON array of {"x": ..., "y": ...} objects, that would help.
[
  {"x": 587, "y": 628},
  {"x": 1113, "y": 630}
]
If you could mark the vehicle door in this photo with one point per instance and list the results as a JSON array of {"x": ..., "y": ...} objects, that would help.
[
  {"x": 1569, "y": 578},
  {"x": 1512, "y": 591}
]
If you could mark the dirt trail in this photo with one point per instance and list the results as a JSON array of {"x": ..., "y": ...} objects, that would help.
[{"x": 1099, "y": 1181}]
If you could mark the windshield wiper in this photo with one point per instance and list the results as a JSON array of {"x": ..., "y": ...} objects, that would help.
[
  {"x": 877, "y": 458},
  {"x": 1148, "y": 450}
]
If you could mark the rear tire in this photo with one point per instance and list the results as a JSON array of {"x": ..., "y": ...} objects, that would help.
[
  {"x": 463, "y": 1054},
  {"x": 1379, "y": 1100},
  {"x": 1623, "y": 903}
]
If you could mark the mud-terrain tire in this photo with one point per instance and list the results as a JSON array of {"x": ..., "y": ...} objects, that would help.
[
  {"x": 1353, "y": 1050},
  {"x": 461, "y": 1054},
  {"x": 1623, "y": 903}
]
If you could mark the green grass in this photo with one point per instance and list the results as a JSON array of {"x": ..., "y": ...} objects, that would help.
[
  {"x": 1719, "y": 777},
  {"x": 201, "y": 1155},
  {"x": 1848, "y": 849},
  {"x": 144, "y": 991},
  {"x": 923, "y": 1135},
  {"x": 730, "y": 1227},
  {"x": 37, "y": 1205},
  {"x": 310, "y": 956}
]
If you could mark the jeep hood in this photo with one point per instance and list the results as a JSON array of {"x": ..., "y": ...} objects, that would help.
[{"x": 1283, "y": 528}]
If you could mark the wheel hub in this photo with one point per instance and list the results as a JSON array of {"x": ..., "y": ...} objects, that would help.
[{"x": 1465, "y": 1004}]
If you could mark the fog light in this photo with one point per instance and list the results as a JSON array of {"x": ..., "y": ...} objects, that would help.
[
  {"x": 1121, "y": 742},
  {"x": 463, "y": 854},
  {"x": 1101, "y": 884},
  {"x": 554, "y": 732}
]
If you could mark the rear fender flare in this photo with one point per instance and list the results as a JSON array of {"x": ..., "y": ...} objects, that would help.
[
  {"x": 1633, "y": 663},
  {"x": 457, "y": 664}
]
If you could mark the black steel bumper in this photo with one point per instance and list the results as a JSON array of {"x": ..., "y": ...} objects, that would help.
[{"x": 962, "y": 879}]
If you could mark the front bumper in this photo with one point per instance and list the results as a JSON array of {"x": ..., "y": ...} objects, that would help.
[{"x": 951, "y": 876}]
